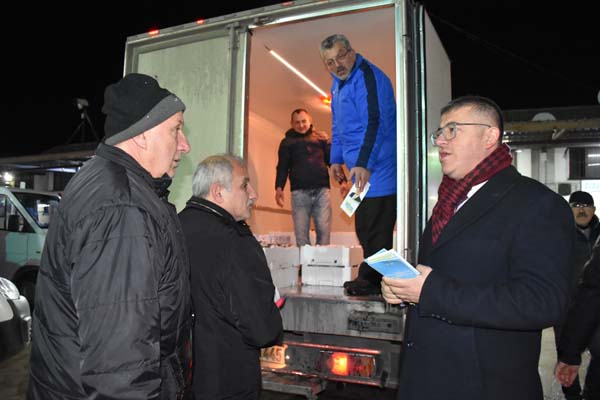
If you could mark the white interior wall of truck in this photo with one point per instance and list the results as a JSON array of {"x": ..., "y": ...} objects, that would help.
[
  {"x": 199, "y": 71},
  {"x": 438, "y": 94},
  {"x": 274, "y": 91}
]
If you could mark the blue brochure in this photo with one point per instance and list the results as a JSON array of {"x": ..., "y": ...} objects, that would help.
[{"x": 391, "y": 264}]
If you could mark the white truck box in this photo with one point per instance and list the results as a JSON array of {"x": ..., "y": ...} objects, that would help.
[{"x": 239, "y": 98}]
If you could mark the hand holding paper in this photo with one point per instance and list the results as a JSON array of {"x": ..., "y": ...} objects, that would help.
[
  {"x": 391, "y": 264},
  {"x": 353, "y": 199}
]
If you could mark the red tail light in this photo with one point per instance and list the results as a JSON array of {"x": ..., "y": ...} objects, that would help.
[
  {"x": 345, "y": 364},
  {"x": 339, "y": 364}
]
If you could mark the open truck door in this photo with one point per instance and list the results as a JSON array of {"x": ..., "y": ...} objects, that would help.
[{"x": 239, "y": 95}]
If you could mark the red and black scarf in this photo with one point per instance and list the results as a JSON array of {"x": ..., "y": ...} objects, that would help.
[{"x": 451, "y": 193}]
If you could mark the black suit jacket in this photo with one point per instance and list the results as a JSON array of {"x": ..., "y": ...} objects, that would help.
[{"x": 501, "y": 273}]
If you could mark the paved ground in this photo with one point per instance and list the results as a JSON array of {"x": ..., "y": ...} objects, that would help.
[{"x": 14, "y": 377}]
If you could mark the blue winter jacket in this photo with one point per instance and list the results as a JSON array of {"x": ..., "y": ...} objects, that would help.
[{"x": 364, "y": 125}]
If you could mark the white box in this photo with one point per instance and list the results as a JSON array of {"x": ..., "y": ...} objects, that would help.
[
  {"x": 282, "y": 256},
  {"x": 329, "y": 265},
  {"x": 284, "y": 264}
]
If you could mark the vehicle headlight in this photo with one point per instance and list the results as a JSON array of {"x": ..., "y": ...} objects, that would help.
[{"x": 8, "y": 289}]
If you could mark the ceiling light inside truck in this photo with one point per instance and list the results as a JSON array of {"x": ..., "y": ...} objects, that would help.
[{"x": 298, "y": 73}]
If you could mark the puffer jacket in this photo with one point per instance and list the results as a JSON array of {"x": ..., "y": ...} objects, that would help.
[
  {"x": 232, "y": 293},
  {"x": 112, "y": 314},
  {"x": 364, "y": 125}
]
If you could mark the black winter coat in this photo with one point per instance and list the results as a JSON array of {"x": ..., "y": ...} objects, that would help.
[
  {"x": 112, "y": 314},
  {"x": 583, "y": 320},
  {"x": 583, "y": 248},
  {"x": 501, "y": 274},
  {"x": 232, "y": 293}
]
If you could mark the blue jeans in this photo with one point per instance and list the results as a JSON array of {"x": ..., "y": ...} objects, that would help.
[{"x": 315, "y": 203}]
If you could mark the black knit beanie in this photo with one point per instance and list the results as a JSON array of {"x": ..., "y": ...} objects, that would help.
[
  {"x": 581, "y": 198},
  {"x": 135, "y": 104}
]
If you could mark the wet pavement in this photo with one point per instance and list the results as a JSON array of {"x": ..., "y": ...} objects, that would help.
[
  {"x": 14, "y": 376},
  {"x": 14, "y": 379}
]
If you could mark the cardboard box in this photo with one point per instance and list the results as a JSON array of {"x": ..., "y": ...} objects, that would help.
[
  {"x": 284, "y": 264},
  {"x": 329, "y": 265}
]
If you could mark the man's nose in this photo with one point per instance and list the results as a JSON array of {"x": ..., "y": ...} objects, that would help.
[
  {"x": 252, "y": 193},
  {"x": 183, "y": 145}
]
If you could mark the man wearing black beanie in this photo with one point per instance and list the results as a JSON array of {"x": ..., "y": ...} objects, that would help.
[{"x": 112, "y": 313}]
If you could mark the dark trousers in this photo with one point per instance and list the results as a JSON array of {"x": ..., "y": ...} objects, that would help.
[{"x": 374, "y": 222}]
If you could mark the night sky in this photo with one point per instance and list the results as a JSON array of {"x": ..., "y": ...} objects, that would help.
[{"x": 534, "y": 57}]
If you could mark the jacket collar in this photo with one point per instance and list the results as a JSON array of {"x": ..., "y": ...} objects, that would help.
[
  {"x": 293, "y": 133},
  {"x": 481, "y": 202},
  {"x": 118, "y": 156},
  {"x": 207, "y": 206}
]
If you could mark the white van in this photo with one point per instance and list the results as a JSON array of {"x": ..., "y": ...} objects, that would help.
[
  {"x": 24, "y": 219},
  {"x": 15, "y": 320}
]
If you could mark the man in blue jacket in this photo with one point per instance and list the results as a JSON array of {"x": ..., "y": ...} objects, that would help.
[{"x": 364, "y": 138}]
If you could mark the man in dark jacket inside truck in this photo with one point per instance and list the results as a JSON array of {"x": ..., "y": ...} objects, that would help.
[
  {"x": 304, "y": 155},
  {"x": 112, "y": 314},
  {"x": 232, "y": 290}
]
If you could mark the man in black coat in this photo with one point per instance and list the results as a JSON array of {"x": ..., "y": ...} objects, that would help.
[
  {"x": 580, "y": 331},
  {"x": 495, "y": 269},
  {"x": 588, "y": 229},
  {"x": 232, "y": 290},
  {"x": 112, "y": 318}
]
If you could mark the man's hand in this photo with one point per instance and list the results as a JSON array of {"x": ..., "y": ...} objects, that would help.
[
  {"x": 337, "y": 170},
  {"x": 398, "y": 290},
  {"x": 279, "y": 197},
  {"x": 361, "y": 177},
  {"x": 345, "y": 188},
  {"x": 565, "y": 373},
  {"x": 321, "y": 135}
]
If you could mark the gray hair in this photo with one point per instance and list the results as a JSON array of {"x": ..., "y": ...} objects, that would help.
[
  {"x": 214, "y": 169},
  {"x": 330, "y": 41}
]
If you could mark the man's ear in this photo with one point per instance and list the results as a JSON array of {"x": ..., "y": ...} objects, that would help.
[
  {"x": 492, "y": 136},
  {"x": 141, "y": 140},
  {"x": 215, "y": 193}
]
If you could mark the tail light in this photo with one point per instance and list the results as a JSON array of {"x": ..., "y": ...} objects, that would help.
[{"x": 348, "y": 364}]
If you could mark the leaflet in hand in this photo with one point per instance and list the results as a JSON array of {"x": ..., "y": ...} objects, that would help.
[
  {"x": 391, "y": 264},
  {"x": 353, "y": 199}
]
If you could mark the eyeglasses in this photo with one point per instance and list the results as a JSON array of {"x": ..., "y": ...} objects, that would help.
[
  {"x": 581, "y": 205},
  {"x": 332, "y": 62},
  {"x": 449, "y": 130}
]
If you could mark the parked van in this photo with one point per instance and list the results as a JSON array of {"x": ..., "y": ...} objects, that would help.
[{"x": 24, "y": 219}]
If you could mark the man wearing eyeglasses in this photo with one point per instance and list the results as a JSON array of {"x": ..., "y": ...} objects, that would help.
[
  {"x": 495, "y": 269},
  {"x": 364, "y": 139},
  {"x": 588, "y": 230}
]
